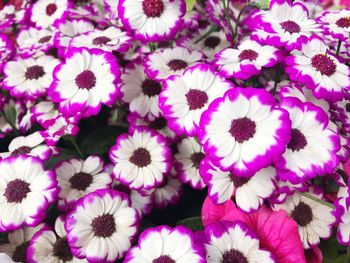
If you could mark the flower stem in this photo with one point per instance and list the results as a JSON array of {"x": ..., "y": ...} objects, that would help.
[
  {"x": 152, "y": 46},
  {"x": 211, "y": 30},
  {"x": 314, "y": 198},
  {"x": 73, "y": 141},
  {"x": 277, "y": 79},
  {"x": 235, "y": 35},
  {"x": 338, "y": 47},
  {"x": 227, "y": 16}
]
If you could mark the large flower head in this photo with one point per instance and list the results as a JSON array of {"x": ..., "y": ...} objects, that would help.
[
  {"x": 336, "y": 23},
  {"x": 152, "y": 20},
  {"x": 26, "y": 191},
  {"x": 141, "y": 159},
  {"x": 312, "y": 148},
  {"x": 163, "y": 244},
  {"x": 102, "y": 226},
  {"x": 319, "y": 71},
  {"x": 84, "y": 81},
  {"x": 244, "y": 131},
  {"x": 184, "y": 98}
]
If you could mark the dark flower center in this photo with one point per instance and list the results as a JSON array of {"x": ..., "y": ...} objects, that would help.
[
  {"x": 290, "y": 26},
  {"x": 163, "y": 259},
  {"x": 238, "y": 181},
  {"x": 16, "y": 191},
  {"x": 51, "y": 9},
  {"x": 61, "y": 250},
  {"x": 103, "y": 226},
  {"x": 81, "y": 181},
  {"x": 234, "y": 256},
  {"x": 298, "y": 141},
  {"x": 21, "y": 150},
  {"x": 177, "y": 64},
  {"x": 151, "y": 87},
  {"x": 196, "y": 159},
  {"x": 122, "y": 188},
  {"x": 86, "y": 80},
  {"x": 302, "y": 214},
  {"x": 153, "y": 8},
  {"x": 324, "y": 64},
  {"x": 34, "y": 72},
  {"x": 158, "y": 124},
  {"x": 248, "y": 54},
  {"x": 101, "y": 40},
  {"x": 20, "y": 253},
  {"x": 196, "y": 99},
  {"x": 347, "y": 107},
  {"x": 343, "y": 22},
  {"x": 212, "y": 42},
  {"x": 141, "y": 157},
  {"x": 243, "y": 129},
  {"x": 44, "y": 39}
]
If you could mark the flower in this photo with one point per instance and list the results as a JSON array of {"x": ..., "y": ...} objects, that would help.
[
  {"x": 29, "y": 78},
  {"x": 163, "y": 244},
  {"x": 286, "y": 24},
  {"x": 139, "y": 91},
  {"x": 26, "y": 191},
  {"x": 76, "y": 178},
  {"x": 314, "y": 219},
  {"x": 187, "y": 162},
  {"x": 84, "y": 81},
  {"x": 19, "y": 241},
  {"x": 313, "y": 146},
  {"x": 244, "y": 62},
  {"x": 102, "y": 226},
  {"x": 336, "y": 23},
  {"x": 165, "y": 62},
  {"x": 6, "y": 50},
  {"x": 249, "y": 192},
  {"x": 140, "y": 159},
  {"x": 319, "y": 71},
  {"x": 250, "y": 121},
  {"x": 184, "y": 98},
  {"x": 233, "y": 242},
  {"x": 45, "y": 13},
  {"x": 29, "y": 145},
  {"x": 152, "y": 20},
  {"x": 110, "y": 39},
  {"x": 51, "y": 246},
  {"x": 342, "y": 214}
]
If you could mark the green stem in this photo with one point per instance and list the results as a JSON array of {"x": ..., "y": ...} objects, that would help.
[
  {"x": 314, "y": 198},
  {"x": 227, "y": 15},
  {"x": 211, "y": 30},
  {"x": 152, "y": 46},
  {"x": 73, "y": 141},
  {"x": 235, "y": 35},
  {"x": 338, "y": 47},
  {"x": 277, "y": 79}
]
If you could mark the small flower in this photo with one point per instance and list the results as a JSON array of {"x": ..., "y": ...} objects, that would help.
[
  {"x": 233, "y": 242},
  {"x": 45, "y": 13},
  {"x": 163, "y": 244},
  {"x": 84, "y": 81},
  {"x": 170, "y": 61},
  {"x": 29, "y": 145},
  {"x": 184, "y": 98},
  {"x": 110, "y": 39},
  {"x": 319, "y": 71},
  {"x": 29, "y": 78},
  {"x": 312, "y": 148},
  {"x": 26, "y": 191},
  {"x": 249, "y": 192},
  {"x": 336, "y": 23},
  {"x": 103, "y": 217},
  {"x": 139, "y": 91},
  {"x": 187, "y": 162},
  {"x": 314, "y": 219},
  {"x": 76, "y": 178},
  {"x": 32, "y": 41},
  {"x": 140, "y": 159},
  {"x": 250, "y": 135},
  {"x": 51, "y": 246},
  {"x": 152, "y": 20},
  {"x": 247, "y": 60}
]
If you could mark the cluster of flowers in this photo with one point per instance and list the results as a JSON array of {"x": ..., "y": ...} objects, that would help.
[{"x": 250, "y": 101}]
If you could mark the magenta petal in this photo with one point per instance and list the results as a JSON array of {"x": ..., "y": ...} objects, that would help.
[
  {"x": 277, "y": 232},
  {"x": 314, "y": 255}
]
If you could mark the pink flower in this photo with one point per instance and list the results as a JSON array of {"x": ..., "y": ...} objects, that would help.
[{"x": 276, "y": 231}]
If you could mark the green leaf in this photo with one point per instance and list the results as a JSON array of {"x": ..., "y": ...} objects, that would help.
[
  {"x": 190, "y": 4},
  {"x": 194, "y": 223},
  {"x": 64, "y": 155},
  {"x": 101, "y": 140},
  {"x": 332, "y": 251},
  {"x": 11, "y": 115}
]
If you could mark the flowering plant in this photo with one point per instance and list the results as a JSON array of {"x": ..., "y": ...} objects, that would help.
[{"x": 174, "y": 131}]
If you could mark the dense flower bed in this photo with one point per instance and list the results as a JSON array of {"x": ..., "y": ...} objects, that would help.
[{"x": 173, "y": 131}]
